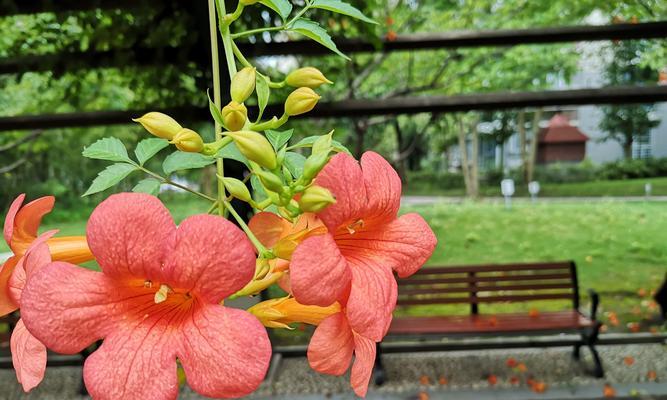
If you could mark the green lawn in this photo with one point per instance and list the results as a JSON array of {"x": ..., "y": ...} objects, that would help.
[{"x": 629, "y": 187}]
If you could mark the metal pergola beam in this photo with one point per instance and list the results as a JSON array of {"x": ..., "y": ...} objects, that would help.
[
  {"x": 361, "y": 108},
  {"x": 444, "y": 40},
  {"x": 459, "y": 39},
  {"x": 8, "y": 7}
]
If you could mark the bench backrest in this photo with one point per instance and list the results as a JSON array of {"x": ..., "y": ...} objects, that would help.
[{"x": 475, "y": 284}]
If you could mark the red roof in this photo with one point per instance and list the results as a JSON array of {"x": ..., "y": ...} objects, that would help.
[{"x": 561, "y": 131}]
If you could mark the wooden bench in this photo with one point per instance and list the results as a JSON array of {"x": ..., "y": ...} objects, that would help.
[{"x": 476, "y": 285}]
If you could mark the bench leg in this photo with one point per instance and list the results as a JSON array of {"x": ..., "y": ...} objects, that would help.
[
  {"x": 576, "y": 351},
  {"x": 590, "y": 338},
  {"x": 379, "y": 373}
]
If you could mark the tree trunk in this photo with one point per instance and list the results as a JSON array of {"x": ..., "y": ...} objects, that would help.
[
  {"x": 463, "y": 152},
  {"x": 521, "y": 127},
  {"x": 360, "y": 133},
  {"x": 474, "y": 173},
  {"x": 627, "y": 148},
  {"x": 537, "y": 117},
  {"x": 400, "y": 161}
]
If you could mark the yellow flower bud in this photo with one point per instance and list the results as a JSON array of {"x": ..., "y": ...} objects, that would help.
[
  {"x": 308, "y": 77},
  {"x": 279, "y": 313},
  {"x": 243, "y": 84},
  {"x": 323, "y": 144},
  {"x": 270, "y": 181},
  {"x": 234, "y": 115},
  {"x": 160, "y": 125},
  {"x": 255, "y": 147},
  {"x": 301, "y": 101},
  {"x": 237, "y": 189},
  {"x": 313, "y": 165},
  {"x": 315, "y": 199},
  {"x": 188, "y": 140}
]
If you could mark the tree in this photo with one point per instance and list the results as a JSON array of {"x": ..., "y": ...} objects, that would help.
[{"x": 627, "y": 123}]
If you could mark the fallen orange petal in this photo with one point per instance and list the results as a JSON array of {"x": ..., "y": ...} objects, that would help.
[
  {"x": 608, "y": 391},
  {"x": 424, "y": 380},
  {"x": 628, "y": 360}
]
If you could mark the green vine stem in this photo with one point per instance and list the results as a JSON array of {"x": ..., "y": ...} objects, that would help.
[{"x": 217, "y": 99}]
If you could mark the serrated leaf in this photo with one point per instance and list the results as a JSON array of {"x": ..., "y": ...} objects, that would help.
[
  {"x": 308, "y": 142},
  {"x": 110, "y": 149},
  {"x": 314, "y": 31},
  {"x": 278, "y": 138},
  {"x": 110, "y": 176},
  {"x": 148, "y": 185},
  {"x": 294, "y": 163},
  {"x": 147, "y": 148},
  {"x": 180, "y": 160},
  {"x": 282, "y": 7},
  {"x": 215, "y": 113},
  {"x": 232, "y": 152},
  {"x": 341, "y": 7},
  {"x": 263, "y": 92}
]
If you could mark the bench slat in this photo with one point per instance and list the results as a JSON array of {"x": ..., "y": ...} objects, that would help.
[
  {"x": 493, "y": 268},
  {"x": 558, "y": 321},
  {"x": 485, "y": 299},
  {"x": 420, "y": 280},
  {"x": 481, "y": 289}
]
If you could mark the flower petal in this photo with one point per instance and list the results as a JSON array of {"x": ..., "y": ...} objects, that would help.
[
  {"x": 7, "y": 304},
  {"x": 68, "y": 307},
  {"x": 225, "y": 352},
  {"x": 372, "y": 298},
  {"x": 404, "y": 244},
  {"x": 268, "y": 227},
  {"x": 11, "y": 216},
  {"x": 330, "y": 348},
  {"x": 383, "y": 186},
  {"x": 35, "y": 257},
  {"x": 128, "y": 233},
  {"x": 364, "y": 360},
  {"x": 28, "y": 219},
  {"x": 319, "y": 274},
  {"x": 343, "y": 177},
  {"x": 137, "y": 360},
  {"x": 28, "y": 357},
  {"x": 212, "y": 256}
]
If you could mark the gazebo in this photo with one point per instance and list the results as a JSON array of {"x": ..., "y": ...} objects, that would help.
[{"x": 561, "y": 141}]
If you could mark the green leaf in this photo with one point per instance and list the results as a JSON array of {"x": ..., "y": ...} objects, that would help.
[
  {"x": 278, "y": 138},
  {"x": 294, "y": 163},
  {"x": 308, "y": 142},
  {"x": 109, "y": 148},
  {"x": 110, "y": 176},
  {"x": 180, "y": 160},
  {"x": 258, "y": 193},
  {"x": 148, "y": 185},
  {"x": 215, "y": 113},
  {"x": 282, "y": 7},
  {"x": 263, "y": 93},
  {"x": 232, "y": 152},
  {"x": 147, "y": 148},
  {"x": 314, "y": 31},
  {"x": 341, "y": 7}
]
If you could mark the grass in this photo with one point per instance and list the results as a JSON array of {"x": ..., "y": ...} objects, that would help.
[{"x": 629, "y": 187}]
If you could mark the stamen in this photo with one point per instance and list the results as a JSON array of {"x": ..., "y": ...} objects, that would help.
[
  {"x": 161, "y": 294},
  {"x": 148, "y": 284},
  {"x": 355, "y": 225}
]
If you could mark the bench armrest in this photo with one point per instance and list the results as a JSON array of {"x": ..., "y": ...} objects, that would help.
[{"x": 595, "y": 302}]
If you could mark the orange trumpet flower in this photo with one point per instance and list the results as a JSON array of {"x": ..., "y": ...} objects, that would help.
[{"x": 21, "y": 230}]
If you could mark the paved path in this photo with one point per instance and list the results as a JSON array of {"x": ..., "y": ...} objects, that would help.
[
  {"x": 426, "y": 200},
  {"x": 466, "y": 372}
]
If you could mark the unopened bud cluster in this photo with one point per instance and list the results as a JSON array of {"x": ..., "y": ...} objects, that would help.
[{"x": 165, "y": 127}]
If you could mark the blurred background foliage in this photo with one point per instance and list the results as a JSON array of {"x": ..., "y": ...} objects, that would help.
[{"x": 44, "y": 162}]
